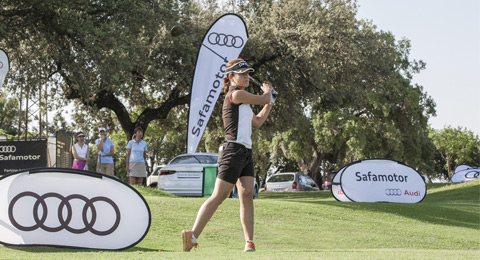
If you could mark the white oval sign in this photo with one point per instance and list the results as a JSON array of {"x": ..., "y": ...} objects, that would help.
[
  {"x": 465, "y": 173},
  {"x": 337, "y": 191},
  {"x": 71, "y": 208},
  {"x": 4, "y": 66},
  {"x": 381, "y": 180}
]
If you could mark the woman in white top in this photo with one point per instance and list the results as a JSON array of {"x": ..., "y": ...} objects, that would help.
[
  {"x": 136, "y": 155},
  {"x": 81, "y": 153}
]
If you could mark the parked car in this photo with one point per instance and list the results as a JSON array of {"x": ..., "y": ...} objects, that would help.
[
  {"x": 152, "y": 179},
  {"x": 290, "y": 181},
  {"x": 328, "y": 180},
  {"x": 234, "y": 193},
  {"x": 183, "y": 175},
  {"x": 327, "y": 185}
]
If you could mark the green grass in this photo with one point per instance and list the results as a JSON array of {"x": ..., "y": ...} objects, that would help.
[{"x": 305, "y": 225}]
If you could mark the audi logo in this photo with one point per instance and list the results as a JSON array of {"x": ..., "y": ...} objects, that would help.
[
  {"x": 7, "y": 148},
  {"x": 472, "y": 174},
  {"x": 64, "y": 221},
  {"x": 393, "y": 192},
  {"x": 225, "y": 40},
  {"x": 1, "y": 64}
]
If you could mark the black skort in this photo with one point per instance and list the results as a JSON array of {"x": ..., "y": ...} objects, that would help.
[{"x": 235, "y": 161}]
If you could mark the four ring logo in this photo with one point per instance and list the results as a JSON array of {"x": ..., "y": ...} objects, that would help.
[
  {"x": 7, "y": 148},
  {"x": 1, "y": 64},
  {"x": 475, "y": 174},
  {"x": 62, "y": 220},
  {"x": 393, "y": 192},
  {"x": 225, "y": 40}
]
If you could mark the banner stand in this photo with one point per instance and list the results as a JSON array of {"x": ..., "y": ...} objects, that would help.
[{"x": 209, "y": 177}]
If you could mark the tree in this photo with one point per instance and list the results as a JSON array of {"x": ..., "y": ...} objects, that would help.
[
  {"x": 345, "y": 88},
  {"x": 8, "y": 115},
  {"x": 456, "y": 146},
  {"x": 109, "y": 54}
]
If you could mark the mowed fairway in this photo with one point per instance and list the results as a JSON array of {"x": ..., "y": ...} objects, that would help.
[{"x": 305, "y": 225}]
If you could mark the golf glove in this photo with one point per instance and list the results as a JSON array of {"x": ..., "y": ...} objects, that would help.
[{"x": 274, "y": 96}]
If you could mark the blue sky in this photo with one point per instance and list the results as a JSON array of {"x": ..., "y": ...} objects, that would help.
[{"x": 445, "y": 35}]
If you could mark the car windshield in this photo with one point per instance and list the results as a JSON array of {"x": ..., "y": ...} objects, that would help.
[
  {"x": 207, "y": 159},
  {"x": 281, "y": 178},
  {"x": 195, "y": 159}
]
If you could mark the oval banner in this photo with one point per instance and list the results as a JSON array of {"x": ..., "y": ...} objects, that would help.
[
  {"x": 337, "y": 191},
  {"x": 465, "y": 173},
  {"x": 71, "y": 208},
  {"x": 382, "y": 180},
  {"x": 4, "y": 66}
]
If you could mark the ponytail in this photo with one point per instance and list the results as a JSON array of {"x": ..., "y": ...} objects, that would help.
[{"x": 226, "y": 84}]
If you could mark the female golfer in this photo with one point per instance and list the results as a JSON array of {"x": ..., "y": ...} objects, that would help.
[
  {"x": 81, "y": 153},
  {"x": 235, "y": 159},
  {"x": 136, "y": 154}
]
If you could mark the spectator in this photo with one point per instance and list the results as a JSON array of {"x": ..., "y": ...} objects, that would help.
[
  {"x": 105, "y": 153},
  {"x": 136, "y": 154},
  {"x": 81, "y": 153}
]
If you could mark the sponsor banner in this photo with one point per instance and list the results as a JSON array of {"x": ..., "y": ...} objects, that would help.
[
  {"x": 337, "y": 191},
  {"x": 382, "y": 180},
  {"x": 465, "y": 173},
  {"x": 4, "y": 66},
  {"x": 71, "y": 208},
  {"x": 20, "y": 155},
  {"x": 226, "y": 37}
]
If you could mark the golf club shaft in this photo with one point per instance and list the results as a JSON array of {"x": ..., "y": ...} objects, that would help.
[{"x": 254, "y": 80}]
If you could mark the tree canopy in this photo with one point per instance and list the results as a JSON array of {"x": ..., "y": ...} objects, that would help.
[
  {"x": 455, "y": 146},
  {"x": 103, "y": 54},
  {"x": 345, "y": 88}
]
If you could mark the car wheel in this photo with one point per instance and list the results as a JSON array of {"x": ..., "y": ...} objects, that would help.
[
  {"x": 234, "y": 193},
  {"x": 255, "y": 193}
]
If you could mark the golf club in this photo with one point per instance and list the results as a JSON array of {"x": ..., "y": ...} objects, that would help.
[
  {"x": 178, "y": 30},
  {"x": 274, "y": 92}
]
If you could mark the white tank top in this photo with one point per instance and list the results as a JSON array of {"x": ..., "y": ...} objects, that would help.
[
  {"x": 81, "y": 151},
  {"x": 237, "y": 121}
]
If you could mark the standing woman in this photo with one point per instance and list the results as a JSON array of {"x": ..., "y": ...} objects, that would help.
[
  {"x": 81, "y": 153},
  {"x": 235, "y": 161},
  {"x": 136, "y": 154}
]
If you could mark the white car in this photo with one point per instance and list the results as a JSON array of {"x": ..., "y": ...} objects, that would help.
[
  {"x": 183, "y": 175},
  {"x": 290, "y": 181},
  {"x": 152, "y": 179}
]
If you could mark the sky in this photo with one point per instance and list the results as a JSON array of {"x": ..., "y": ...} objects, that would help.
[{"x": 445, "y": 35}]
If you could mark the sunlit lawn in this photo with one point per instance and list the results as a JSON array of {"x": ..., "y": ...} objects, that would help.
[{"x": 305, "y": 225}]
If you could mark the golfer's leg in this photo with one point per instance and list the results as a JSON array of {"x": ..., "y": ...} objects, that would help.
[
  {"x": 220, "y": 193},
  {"x": 245, "y": 186}
]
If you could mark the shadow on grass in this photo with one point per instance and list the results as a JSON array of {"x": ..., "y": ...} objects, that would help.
[
  {"x": 54, "y": 249},
  {"x": 457, "y": 207}
]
